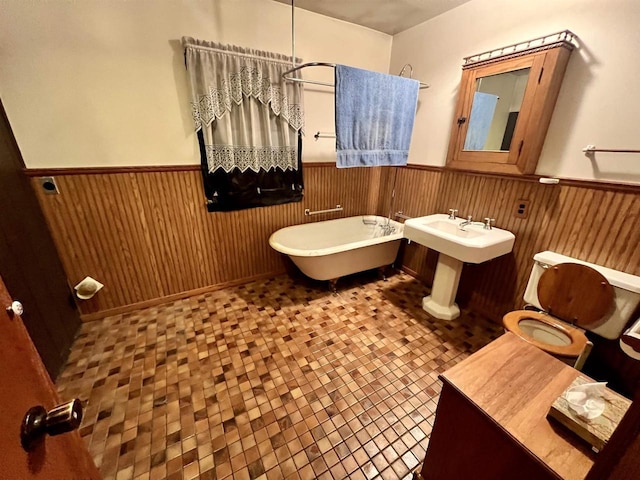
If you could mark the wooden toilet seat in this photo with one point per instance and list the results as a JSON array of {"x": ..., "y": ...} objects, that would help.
[
  {"x": 572, "y": 292},
  {"x": 511, "y": 322}
]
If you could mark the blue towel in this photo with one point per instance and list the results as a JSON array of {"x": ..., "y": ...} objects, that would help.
[
  {"x": 482, "y": 110},
  {"x": 374, "y": 117}
]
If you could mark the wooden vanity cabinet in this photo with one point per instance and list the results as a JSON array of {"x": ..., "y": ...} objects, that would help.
[{"x": 491, "y": 421}]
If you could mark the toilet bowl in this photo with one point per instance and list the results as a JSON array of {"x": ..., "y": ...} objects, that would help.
[
  {"x": 547, "y": 333},
  {"x": 572, "y": 296}
]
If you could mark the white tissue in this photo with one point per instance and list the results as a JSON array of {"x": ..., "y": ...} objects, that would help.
[{"x": 587, "y": 400}]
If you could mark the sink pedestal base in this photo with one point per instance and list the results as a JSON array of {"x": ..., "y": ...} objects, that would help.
[{"x": 441, "y": 303}]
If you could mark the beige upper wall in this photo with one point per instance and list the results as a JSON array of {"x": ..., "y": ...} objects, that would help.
[
  {"x": 599, "y": 102},
  {"x": 102, "y": 82}
]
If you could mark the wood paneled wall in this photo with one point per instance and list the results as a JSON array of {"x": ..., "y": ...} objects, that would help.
[
  {"x": 595, "y": 223},
  {"x": 147, "y": 234}
]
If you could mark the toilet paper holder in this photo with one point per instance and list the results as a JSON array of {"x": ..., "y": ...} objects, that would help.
[{"x": 87, "y": 288}]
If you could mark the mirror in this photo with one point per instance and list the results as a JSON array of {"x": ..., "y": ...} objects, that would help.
[
  {"x": 494, "y": 111},
  {"x": 504, "y": 107}
]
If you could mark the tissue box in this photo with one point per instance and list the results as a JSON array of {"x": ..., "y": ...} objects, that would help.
[{"x": 597, "y": 431}]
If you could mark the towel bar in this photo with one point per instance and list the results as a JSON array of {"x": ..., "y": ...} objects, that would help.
[
  {"x": 318, "y": 212},
  {"x": 324, "y": 135},
  {"x": 590, "y": 149}
]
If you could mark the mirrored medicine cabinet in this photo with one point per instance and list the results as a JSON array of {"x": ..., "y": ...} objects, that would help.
[{"x": 505, "y": 104}]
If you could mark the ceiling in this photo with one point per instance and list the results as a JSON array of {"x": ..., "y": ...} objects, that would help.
[{"x": 388, "y": 16}]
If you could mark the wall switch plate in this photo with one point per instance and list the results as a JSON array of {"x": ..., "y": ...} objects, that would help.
[
  {"x": 521, "y": 209},
  {"x": 49, "y": 185}
]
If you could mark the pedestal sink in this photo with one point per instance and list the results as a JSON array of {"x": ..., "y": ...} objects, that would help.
[{"x": 473, "y": 244}]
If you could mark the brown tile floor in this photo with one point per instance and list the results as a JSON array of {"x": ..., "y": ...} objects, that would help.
[{"x": 273, "y": 379}]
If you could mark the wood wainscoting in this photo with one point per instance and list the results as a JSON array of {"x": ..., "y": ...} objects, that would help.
[
  {"x": 592, "y": 221},
  {"x": 146, "y": 234}
]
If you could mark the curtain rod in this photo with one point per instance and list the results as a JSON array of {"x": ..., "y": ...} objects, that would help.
[
  {"x": 315, "y": 82},
  {"x": 237, "y": 54}
]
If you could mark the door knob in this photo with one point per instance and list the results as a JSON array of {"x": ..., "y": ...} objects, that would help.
[
  {"x": 37, "y": 421},
  {"x": 15, "y": 308}
]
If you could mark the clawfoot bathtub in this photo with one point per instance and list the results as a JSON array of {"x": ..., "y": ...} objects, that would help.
[{"x": 334, "y": 248}]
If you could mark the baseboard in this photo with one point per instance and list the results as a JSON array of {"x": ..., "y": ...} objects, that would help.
[
  {"x": 415, "y": 275},
  {"x": 488, "y": 314},
  {"x": 92, "y": 317}
]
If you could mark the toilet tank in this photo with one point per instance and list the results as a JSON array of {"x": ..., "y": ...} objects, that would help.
[{"x": 626, "y": 289}]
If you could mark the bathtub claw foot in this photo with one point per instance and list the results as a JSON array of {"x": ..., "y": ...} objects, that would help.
[
  {"x": 382, "y": 273},
  {"x": 332, "y": 285}
]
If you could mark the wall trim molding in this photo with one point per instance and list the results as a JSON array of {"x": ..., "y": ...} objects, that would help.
[
  {"x": 428, "y": 168},
  {"x": 319, "y": 164},
  {"x": 92, "y": 317},
  {"x": 50, "y": 172},
  {"x": 42, "y": 172},
  {"x": 572, "y": 182}
]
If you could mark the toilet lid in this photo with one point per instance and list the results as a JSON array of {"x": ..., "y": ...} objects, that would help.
[{"x": 575, "y": 293}]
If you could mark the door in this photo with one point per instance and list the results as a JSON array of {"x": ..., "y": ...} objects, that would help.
[
  {"x": 29, "y": 262},
  {"x": 24, "y": 383}
]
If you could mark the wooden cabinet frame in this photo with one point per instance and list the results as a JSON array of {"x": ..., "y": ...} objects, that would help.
[{"x": 547, "y": 66}]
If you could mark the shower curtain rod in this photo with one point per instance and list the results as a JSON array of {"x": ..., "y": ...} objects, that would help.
[
  {"x": 322, "y": 64},
  {"x": 318, "y": 64}
]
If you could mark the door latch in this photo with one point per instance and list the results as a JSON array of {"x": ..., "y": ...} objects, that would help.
[{"x": 37, "y": 422}]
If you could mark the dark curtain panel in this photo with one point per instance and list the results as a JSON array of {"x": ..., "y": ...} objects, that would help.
[{"x": 237, "y": 190}]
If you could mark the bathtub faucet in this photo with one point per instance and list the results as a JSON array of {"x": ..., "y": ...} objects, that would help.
[{"x": 387, "y": 229}]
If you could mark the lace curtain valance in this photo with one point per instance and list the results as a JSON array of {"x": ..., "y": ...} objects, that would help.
[
  {"x": 222, "y": 77},
  {"x": 248, "y": 121}
]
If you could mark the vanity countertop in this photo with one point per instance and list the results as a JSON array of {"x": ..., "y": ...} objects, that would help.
[{"x": 514, "y": 383}]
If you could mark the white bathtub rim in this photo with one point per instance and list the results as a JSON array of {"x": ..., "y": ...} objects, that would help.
[
  {"x": 398, "y": 235},
  {"x": 295, "y": 252}
]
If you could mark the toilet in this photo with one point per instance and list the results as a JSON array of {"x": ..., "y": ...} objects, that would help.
[{"x": 566, "y": 296}]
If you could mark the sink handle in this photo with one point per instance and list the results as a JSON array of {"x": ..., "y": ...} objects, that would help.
[
  {"x": 488, "y": 222},
  {"x": 452, "y": 213}
]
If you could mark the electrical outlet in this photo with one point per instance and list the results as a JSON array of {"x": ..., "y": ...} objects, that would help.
[{"x": 521, "y": 209}]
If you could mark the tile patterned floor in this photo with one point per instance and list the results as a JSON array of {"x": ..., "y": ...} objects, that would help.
[{"x": 273, "y": 379}]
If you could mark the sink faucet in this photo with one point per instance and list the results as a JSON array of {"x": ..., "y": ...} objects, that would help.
[
  {"x": 488, "y": 222},
  {"x": 468, "y": 221},
  {"x": 452, "y": 213}
]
